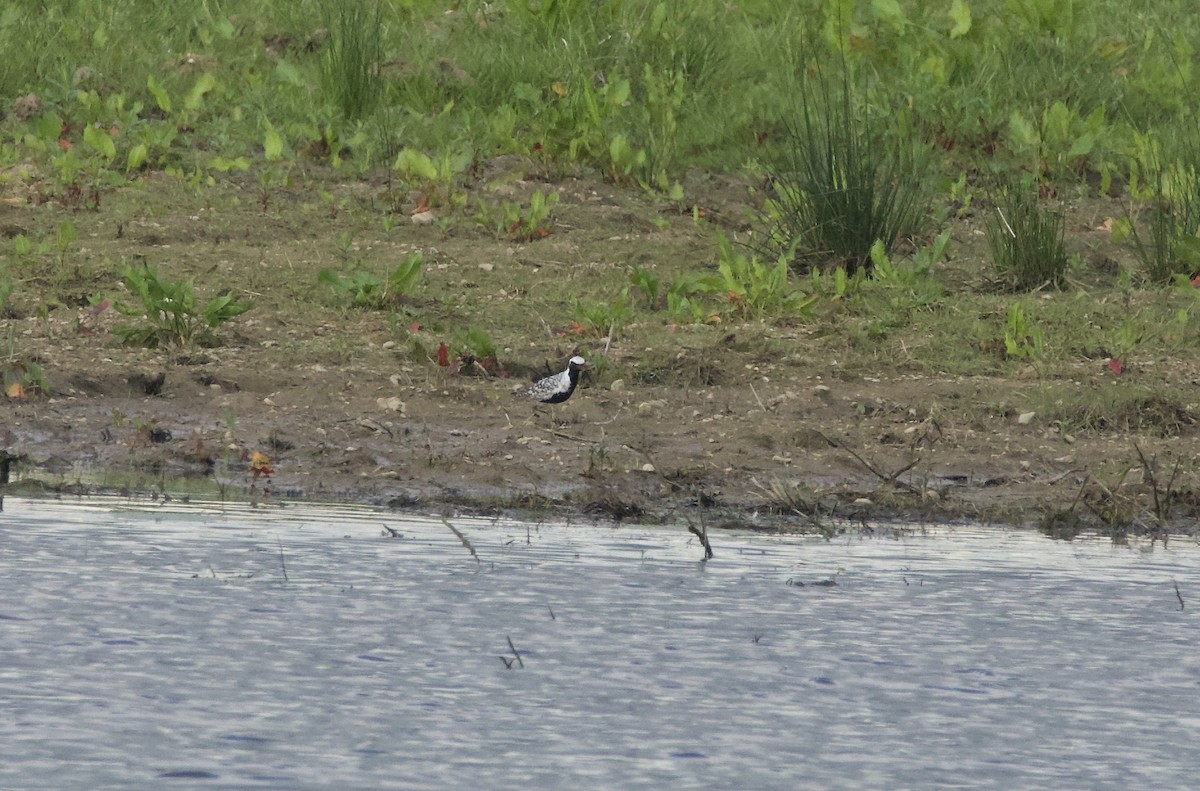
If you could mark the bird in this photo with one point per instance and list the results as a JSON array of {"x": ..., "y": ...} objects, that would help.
[{"x": 557, "y": 388}]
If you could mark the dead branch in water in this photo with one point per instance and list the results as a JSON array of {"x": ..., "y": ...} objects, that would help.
[{"x": 463, "y": 539}]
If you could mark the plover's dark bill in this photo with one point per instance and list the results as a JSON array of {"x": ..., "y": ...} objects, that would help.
[{"x": 558, "y": 388}]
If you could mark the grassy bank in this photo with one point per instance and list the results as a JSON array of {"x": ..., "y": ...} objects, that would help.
[{"x": 694, "y": 196}]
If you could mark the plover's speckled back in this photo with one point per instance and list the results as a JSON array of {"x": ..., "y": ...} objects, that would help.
[{"x": 558, "y": 388}]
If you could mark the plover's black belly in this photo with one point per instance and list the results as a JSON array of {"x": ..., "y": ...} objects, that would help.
[{"x": 558, "y": 398}]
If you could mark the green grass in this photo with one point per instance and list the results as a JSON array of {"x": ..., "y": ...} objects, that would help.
[
  {"x": 846, "y": 178},
  {"x": 1025, "y": 237},
  {"x": 567, "y": 80},
  {"x": 197, "y": 123}
]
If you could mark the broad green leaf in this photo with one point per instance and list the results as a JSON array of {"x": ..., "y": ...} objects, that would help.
[
  {"x": 618, "y": 92},
  {"x": 204, "y": 83},
  {"x": 161, "y": 97},
  {"x": 272, "y": 144},
  {"x": 288, "y": 73},
  {"x": 1121, "y": 230},
  {"x": 137, "y": 157},
  {"x": 224, "y": 165},
  {"x": 935, "y": 67},
  {"x": 1082, "y": 145},
  {"x": 1187, "y": 251},
  {"x": 100, "y": 140},
  {"x": 879, "y": 256},
  {"x": 1021, "y": 131},
  {"x": 960, "y": 15},
  {"x": 415, "y": 163},
  {"x": 889, "y": 11},
  {"x": 49, "y": 126},
  {"x": 1056, "y": 121}
]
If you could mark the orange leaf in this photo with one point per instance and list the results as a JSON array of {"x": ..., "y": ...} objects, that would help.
[
  {"x": 443, "y": 355},
  {"x": 64, "y": 144},
  {"x": 1115, "y": 366},
  {"x": 415, "y": 327},
  {"x": 15, "y": 390}
]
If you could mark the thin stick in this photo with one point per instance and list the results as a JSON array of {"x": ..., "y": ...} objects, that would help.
[
  {"x": 1007, "y": 227},
  {"x": 881, "y": 475},
  {"x": 516, "y": 653},
  {"x": 703, "y": 536},
  {"x": 756, "y": 398},
  {"x": 462, "y": 538},
  {"x": 701, "y": 532},
  {"x": 1178, "y": 595},
  {"x": 282, "y": 564}
]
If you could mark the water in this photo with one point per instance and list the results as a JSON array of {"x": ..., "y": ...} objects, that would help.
[{"x": 156, "y": 648}]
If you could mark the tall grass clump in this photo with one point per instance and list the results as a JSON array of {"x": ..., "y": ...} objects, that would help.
[
  {"x": 844, "y": 177},
  {"x": 350, "y": 69},
  {"x": 1026, "y": 242},
  {"x": 1170, "y": 242}
]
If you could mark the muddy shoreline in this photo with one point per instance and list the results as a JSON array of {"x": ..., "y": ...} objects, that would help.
[{"x": 795, "y": 456}]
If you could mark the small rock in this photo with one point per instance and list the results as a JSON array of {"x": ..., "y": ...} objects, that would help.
[
  {"x": 422, "y": 218},
  {"x": 822, "y": 392},
  {"x": 646, "y": 407},
  {"x": 390, "y": 404},
  {"x": 1025, "y": 418},
  {"x": 617, "y": 385},
  {"x": 389, "y": 344},
  {"x": 647, "y": 467}
]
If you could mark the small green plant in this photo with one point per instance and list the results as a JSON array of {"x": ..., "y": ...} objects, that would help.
[
  {"x": 65, "y": 235},
  {"x": 21, "y": 377},
  {"x": 1026, "y": 242},
  {"x": 1022, "y": 339},
  {"x": 603, "y": 318},
  {"x": 171, "y": 312},
  {"x": 523, "y": 224},
  {"x": 368, "y": 290},
  {"x": 909, "y": 286},
  {"x": 436, "y": 177},
  {"x": 6, "y": 290},
  {"x": 1190, "y": 292},
  {"x": 647, "y": 284},
  {"x": 472, "y": 348},
  {"x": 754, "y": 288},
  {"x": 683, "y": 303}
]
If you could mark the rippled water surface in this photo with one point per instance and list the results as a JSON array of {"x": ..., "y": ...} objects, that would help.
[{"x": 158, "y": 648}]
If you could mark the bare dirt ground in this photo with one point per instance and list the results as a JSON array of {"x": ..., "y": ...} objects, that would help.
[{"x": 747, "y": 427}]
